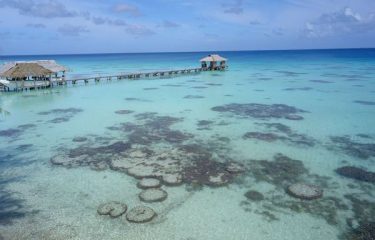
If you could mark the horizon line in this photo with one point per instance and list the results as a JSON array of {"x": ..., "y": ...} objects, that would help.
[{"x": 205, "y": 51}]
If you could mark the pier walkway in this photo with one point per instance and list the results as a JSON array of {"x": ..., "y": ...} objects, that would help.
[{"x": 6, "y": 85}]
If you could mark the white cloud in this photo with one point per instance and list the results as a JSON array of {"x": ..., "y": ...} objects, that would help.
[
  {"x": 36, "y": 25},
  {"x": 236, "y": 7},
  {"x": 128, "y": 9},
  {"x": 72, "y": 30},
  {"x": 345, "y": 21},
  {"x": 45, "y": 9},
  {"x": 170, "y": 24},
  {"x": 139, "y": 30}
]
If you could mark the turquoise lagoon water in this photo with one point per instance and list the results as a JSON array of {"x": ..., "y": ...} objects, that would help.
[{"x": 221, "y": 118}]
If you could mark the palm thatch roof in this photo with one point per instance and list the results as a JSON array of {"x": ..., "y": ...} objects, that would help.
[
  {"x": 214, "y": 58},
  {"x": 52, "y": 65},
  {"x": 49, "y": 65},
  {"x": 21, "y": 70}
]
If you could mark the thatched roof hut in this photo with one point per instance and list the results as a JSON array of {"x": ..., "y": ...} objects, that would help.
[
  {"x": 39, "y": 68},
  {"x": 214, "y": 58},
  {"x": 22, "y": 70}
]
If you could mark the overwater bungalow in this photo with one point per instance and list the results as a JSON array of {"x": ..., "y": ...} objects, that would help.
[
  {"x": 31, "y": 74},
  {"x": 214, "y": 62}
]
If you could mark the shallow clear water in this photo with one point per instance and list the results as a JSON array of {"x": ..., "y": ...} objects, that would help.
[{"x": 334, "y": 88}]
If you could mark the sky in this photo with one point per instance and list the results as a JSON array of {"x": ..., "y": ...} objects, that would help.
[{"x": 119, "y": 26}]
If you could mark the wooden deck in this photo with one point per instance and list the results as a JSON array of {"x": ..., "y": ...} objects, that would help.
[{"x": 27, "y": 85}]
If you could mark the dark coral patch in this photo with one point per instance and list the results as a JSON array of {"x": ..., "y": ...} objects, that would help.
[
  {"x": 115, "y": 148},
  {"x": 268, "y": 137},
  {"x": 207, "y": 172},
  {"x": 290, "y": 73},
  {"x": 298, "y": 89},
  {"x": 363, "y": 210},
  {"x": 205, "y": 124},
  {"x": 193, "y": 97},
  {"x": 11, "y": 208},
  {"x": 362, "y": 135},
  {"x": 365, "y": 231},
  {"x": 199, "y": 87},
  {"x": 279, "y": 127},
  {"x": 79, "y": 139},
  {"x": 367, "y": 103},
  {"x": 285, "y": 134},
  {"x": 172, "y": 85},
  {"x": 362, "y": 150},
  {"x": 294, "y": 117},
  {"x": 26, "y": 126},
  {"x": 356, "y": 173},
  {"x": 320, "y": 81},
  {"x": 148, "y": 89},
  {"x": 152, "y": 128},
  {"x": 11, "y": 132},
  {"x": 254, "y": 196},
  {"x": 60, "y": 120},
  {"x": 64, "y": 114},
  {"x": 97, "y": 158},
  {"x": 24, "y": 147},
  {"x": 282, "y": 170},
  {"x": 62, "y": 111},
  {"x": 260, "y": 111},
  {"x": 136, "y": 99},
  {"x": 122, "y": 112}
]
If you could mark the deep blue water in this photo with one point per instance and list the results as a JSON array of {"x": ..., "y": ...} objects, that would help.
[{"x": 283, "y": 117}]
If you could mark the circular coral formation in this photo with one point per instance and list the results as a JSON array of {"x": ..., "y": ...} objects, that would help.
[
  {"x": 140, "y": 214},
  {"x": 304, "y": 191},
  {"x": 146, "y": 183},
  {"x": 172, "y": 179},
  {"x": 153, "y": 195},
  {"x": 142, "y": 171},
  {"x": 59, "y": 160},
  {"x": 113, "y": 209},
  {"x": 66, "y": 161}
]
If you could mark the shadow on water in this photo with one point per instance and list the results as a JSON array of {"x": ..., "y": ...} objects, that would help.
[{"x": 12, "y": 205}]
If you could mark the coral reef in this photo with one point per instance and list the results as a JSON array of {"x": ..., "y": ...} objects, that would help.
[
  {"x": 113, "y": 209},
  {"x": 153, "y": 195},
  {"x": 356, "y": 173},
  {"x": 254, "y": 196},
  {"x": 149, "y": 183},
  {"x": 140, "y": 214},
  {"x": 304, "y": 191},
  {"x": 259, "y": 111},
  {"x": 363, "y": 150}
]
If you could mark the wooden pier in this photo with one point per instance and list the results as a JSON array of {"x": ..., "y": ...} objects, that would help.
[
  {"x": 28, "y": 85},
  {"x": 40, "y": 74}
]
